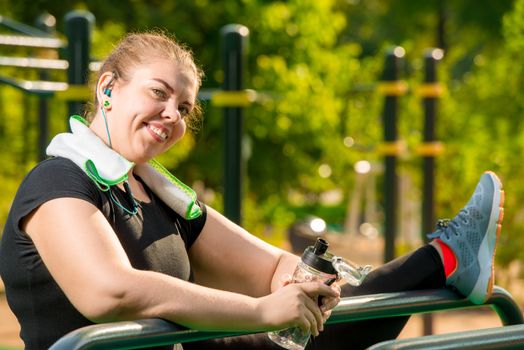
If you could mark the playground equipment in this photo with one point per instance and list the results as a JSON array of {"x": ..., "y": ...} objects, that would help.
[
  {"x": 392, "y": 88},
  {"x": 78, "y": 28},
  {"x": 234, "y": 44},
  {"x": 232, "y": 98},
  {"x": 430, "y": 91},
  {"x": 364, "y": 191},
  {"x": 156, "y": 332},
  {"x": 510, "y": 337},
  {"x": 79, "y": 25}
]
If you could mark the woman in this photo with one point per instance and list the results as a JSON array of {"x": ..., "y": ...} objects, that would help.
[{"x": 92, "y": 236}]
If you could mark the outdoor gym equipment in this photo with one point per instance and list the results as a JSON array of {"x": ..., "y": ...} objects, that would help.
[{"x": 156, "y": 332}]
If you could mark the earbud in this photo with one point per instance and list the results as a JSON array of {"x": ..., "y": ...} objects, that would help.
[{"x": 107, "y": 92}]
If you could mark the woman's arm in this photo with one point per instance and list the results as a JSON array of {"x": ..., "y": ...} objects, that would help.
[
  {"x": 227, "y": 257},
  {"x": 84, "y": 256}
]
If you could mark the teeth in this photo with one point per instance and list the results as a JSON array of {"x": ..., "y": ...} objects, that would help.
[{"x": 159, "y": 132}]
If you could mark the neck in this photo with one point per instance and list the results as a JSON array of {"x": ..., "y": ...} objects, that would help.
[{"x": 98, "y": 126}]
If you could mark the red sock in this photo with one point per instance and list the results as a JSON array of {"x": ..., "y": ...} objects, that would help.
[{"x": 450, "y": 261}]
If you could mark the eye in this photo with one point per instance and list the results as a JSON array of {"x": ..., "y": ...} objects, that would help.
[
  {"x": 184, "y": 110},
  {"x": 159, "y": 93}
]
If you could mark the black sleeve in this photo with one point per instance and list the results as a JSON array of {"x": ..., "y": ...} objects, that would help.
[
  {"x": 190, "y": 229},
  {"x": 51, "y": 179}
]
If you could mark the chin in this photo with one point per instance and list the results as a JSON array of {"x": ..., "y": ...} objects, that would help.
[
  {"x": 142, "y": 155},
  {"x": 146, "y": 158}
]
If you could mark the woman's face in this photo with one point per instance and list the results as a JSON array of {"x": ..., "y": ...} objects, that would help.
[{"x": 147, "y": 112}]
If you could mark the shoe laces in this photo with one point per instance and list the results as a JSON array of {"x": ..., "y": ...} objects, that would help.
[{"x": 448, "y": 227}]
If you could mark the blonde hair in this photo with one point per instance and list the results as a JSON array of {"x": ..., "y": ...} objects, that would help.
[{"x": 138, "y": 48}]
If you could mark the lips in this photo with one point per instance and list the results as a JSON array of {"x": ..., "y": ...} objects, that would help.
[{"x": 158, "y": 132}]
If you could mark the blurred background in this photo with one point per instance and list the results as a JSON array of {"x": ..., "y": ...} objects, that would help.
[{"x": 346, "y": 122}]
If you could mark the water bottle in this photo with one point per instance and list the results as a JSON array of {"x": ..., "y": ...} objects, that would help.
[{"x": 317, "y": 264}]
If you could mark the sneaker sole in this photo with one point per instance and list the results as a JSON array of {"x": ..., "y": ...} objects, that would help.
[{"x": 483, "y": 288}]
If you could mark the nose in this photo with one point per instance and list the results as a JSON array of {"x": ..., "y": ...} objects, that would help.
[{"x": 171, "y": 112}]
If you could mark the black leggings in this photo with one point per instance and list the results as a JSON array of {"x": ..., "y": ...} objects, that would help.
[{"x": 421, "y": 269}]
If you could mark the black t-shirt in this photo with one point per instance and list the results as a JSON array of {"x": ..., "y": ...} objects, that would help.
[{"x": 156, "y": 239}]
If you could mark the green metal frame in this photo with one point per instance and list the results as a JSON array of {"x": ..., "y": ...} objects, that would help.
[
  {"x": 509, "y": 337},
  {"x": 39, "y": 88},
  {"x": 156, "y": 332}
]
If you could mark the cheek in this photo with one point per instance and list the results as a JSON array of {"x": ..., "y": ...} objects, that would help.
[{"x": 178, "y": 132}]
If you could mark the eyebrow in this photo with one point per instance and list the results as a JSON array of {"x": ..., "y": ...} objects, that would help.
[{"x": 163, "y": 82}]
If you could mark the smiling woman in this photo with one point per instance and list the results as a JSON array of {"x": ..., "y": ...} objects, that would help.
[
  {"x": 102, "y": 232},
  {"x": 151, "y": 83},
  {"x": 152, "y": 106}
]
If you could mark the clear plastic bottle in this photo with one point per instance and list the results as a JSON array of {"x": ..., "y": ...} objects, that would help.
[{"x": 315, "y": 265}]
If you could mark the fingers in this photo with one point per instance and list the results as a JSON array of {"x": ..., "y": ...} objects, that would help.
[
  {"x": 301, "y": 302},
  {"x": 329, "y": 303},
  {"x": 315, "y": 317},
  {"x": 318, "y": 315},
  {"x": 315, "y": 289},
  {"x": 335, "y": 286},
  {"x": 326, "y": 315}
]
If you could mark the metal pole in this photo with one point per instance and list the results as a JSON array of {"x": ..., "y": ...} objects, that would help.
[
  {"x": 78, "y": 29},
  {"x": 46, "y": 23},
  {"x": 430, "y": 103},
  {"x": 234, "y": 48},
  {"x": 391, "y": 76},
  {"x": 430, "y": 96}
]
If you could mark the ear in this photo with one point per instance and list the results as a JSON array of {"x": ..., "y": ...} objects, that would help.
[{"x": 102, "y": 86}]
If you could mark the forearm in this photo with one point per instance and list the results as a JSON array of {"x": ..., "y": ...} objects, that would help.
[{"x": 147, "y": 294}]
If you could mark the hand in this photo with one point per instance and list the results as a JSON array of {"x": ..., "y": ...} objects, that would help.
[
  {"x": 328, "y": 303},
  {"x": 295, "y": 305}
]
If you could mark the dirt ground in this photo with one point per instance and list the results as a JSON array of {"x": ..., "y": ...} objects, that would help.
[{"x": 363, "y": 251}]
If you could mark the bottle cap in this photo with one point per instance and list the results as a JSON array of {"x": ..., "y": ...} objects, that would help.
[{"x": 317, "y": 257}]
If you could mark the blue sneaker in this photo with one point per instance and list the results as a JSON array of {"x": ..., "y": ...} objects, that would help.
[{"x": 472, "y": 236}]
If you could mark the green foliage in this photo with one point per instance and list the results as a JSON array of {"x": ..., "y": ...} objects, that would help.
[{"x": 319, "y": 61}]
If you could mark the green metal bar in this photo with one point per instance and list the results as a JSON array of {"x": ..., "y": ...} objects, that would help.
[
  {"x": 21, "y": 27},
  {"x": 509, "y": 337},
  {"x": 79, "y": 27},
  {"x": 44, "y": 22},
  {"x": 416, "y": 302},
  {"x": 234, "y": 47},
  {"x": 430, "y": 104},
  {"x": 428, "y": 171},
  {"x": 28, "y": 62},
  {"x": 28, "y": 41},
  {"x": 156, "y": 332},
  {"x": 58, "y": 90},
  {"x": 389, "y": 120},
  {"x": 40, "y": 88},
  {"x": 34, "y": 87}
]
